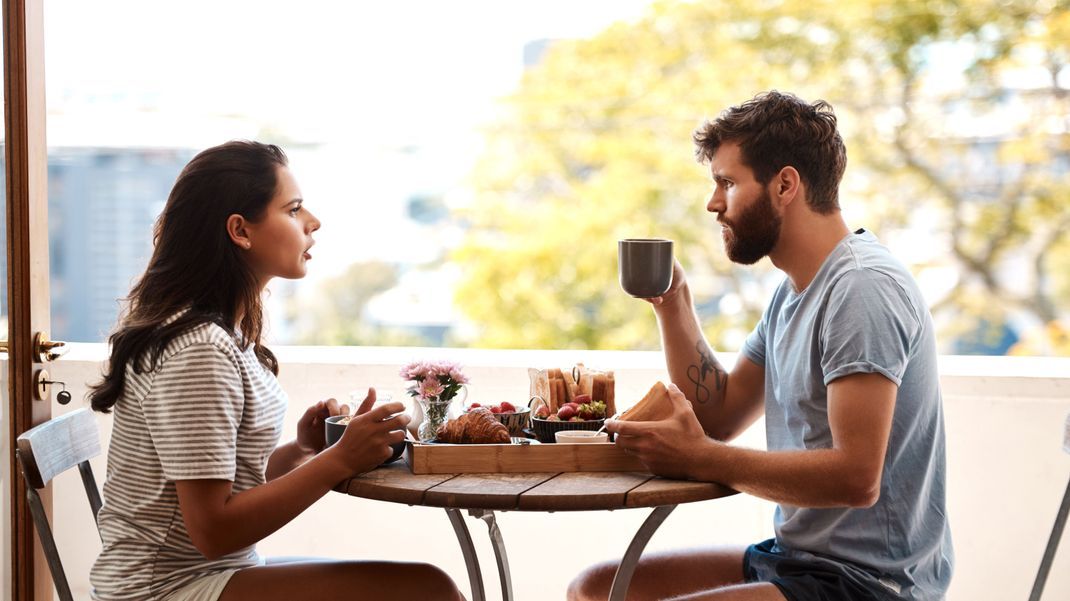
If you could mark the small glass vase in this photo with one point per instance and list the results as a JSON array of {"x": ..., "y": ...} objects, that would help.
[{"x": 437, "y": 411}]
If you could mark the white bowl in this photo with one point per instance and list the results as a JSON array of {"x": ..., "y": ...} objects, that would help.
[{"x": 580, "y": 436}]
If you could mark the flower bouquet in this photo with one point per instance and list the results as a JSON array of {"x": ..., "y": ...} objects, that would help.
[{"x": 435, "y": 384}]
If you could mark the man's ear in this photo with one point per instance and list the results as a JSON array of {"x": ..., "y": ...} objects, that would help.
[
  {"x": 787, "y": 185},
  {"x": 238, "y": 232}
]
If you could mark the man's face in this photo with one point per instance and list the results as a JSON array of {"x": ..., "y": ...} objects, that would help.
[{"x": 750, "y": 226}]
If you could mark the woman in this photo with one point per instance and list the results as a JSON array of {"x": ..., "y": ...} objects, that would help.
[{"x": 194, "y": 476}]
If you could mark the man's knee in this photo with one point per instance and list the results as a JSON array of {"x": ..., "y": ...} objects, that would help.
[{"x": 593, "y": 583}]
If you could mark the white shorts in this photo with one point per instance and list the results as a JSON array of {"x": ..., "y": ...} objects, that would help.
[{"x": 207, "y": 588}]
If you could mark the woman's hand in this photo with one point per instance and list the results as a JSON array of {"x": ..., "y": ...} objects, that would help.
[
  {"x": 311, "y": 433},
  {"x": 366, "y": 441}
]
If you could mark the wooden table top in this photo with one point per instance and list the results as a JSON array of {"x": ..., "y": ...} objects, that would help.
[{"x": 569, "y": 491}]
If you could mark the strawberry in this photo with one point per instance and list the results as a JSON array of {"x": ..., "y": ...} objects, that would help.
[
  {"x": 495, "y": 409},
  {"x": 542, "y": 412},
  {"x": 474, "y": 405},
  {"x": 581, "y": 399},
  {"x": 566, "y": 412},
  {"x": 508, "y": 407}
]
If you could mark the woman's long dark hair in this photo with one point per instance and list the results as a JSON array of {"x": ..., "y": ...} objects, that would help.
[{"x": 195, "y": 265}]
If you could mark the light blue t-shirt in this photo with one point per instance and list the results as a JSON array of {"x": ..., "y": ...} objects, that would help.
[{"x": 862, "y": 313}]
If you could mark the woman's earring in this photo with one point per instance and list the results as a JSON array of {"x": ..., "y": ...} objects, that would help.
[{"x": 247, "y": 245}]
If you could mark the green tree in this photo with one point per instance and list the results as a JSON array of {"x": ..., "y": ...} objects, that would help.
[
  {"x": 596, "y": 146},
  {"x": 335, "y": 316}
]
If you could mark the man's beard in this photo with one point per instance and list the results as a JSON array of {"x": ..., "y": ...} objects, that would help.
[{"x": 754, "y": 234}]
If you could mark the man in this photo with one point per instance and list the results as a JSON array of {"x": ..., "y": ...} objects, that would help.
[{"x": 843, "y": 362}]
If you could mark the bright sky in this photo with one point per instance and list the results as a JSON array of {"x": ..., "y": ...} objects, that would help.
[
  {"x": 359, "y": 79},
  {"x": 316, "y": 70}
]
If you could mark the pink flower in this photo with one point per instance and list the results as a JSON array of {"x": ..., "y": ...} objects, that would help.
[
  {"x": 430, "y": 387},
  {"x": 457, "y": 376}
]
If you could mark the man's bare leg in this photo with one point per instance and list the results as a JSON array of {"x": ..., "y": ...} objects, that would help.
[
  {"x": 665, "y": 574},
  {"x": 755, "y": 591}
]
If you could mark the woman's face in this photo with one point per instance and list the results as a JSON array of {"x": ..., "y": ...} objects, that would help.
[{"x": 279, "y": 243}]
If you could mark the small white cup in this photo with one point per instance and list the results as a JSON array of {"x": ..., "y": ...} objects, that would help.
[{"x": 580, "y": 436}]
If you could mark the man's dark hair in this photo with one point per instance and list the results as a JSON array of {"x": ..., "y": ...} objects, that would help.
[{"x": 776, "y": 130}]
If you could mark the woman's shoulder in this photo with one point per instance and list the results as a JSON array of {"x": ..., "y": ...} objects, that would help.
[{"x": 205, "y": 336}]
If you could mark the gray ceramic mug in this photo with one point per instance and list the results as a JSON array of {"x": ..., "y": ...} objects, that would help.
[{"x": 645, "y": 266}]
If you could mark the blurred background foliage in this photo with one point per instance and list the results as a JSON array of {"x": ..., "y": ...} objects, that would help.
[{"x": 956, "y": 115}]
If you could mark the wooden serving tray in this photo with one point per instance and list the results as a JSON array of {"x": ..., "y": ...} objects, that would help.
[{"x": 515, "y": 458}]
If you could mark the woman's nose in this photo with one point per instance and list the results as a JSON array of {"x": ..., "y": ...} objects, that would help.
[{"x": 313, "y": 223}]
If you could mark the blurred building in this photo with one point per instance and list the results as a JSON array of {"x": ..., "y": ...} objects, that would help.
[{"x": 102, "y": 203}]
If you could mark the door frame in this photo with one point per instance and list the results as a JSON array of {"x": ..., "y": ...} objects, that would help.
[{"x": 26, "y": 156}]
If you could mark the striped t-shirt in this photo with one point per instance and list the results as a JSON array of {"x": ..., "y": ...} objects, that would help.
[{"x": 209, "y": 410}]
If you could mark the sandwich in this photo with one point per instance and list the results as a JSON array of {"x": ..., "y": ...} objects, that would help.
[{"x": 656, "y": 405}]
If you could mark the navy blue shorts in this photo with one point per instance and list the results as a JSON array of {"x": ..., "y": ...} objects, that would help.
[{"x": 822, "y": 580}]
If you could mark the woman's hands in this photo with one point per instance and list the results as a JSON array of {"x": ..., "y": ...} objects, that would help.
[
  {"x": 366, "y": 441},
  {"x": 311, "y": 432}
]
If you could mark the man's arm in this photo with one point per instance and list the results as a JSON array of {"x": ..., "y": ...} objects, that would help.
[
  {"x": 726, "y": 405},
  {"x": 860, "y": 408}
]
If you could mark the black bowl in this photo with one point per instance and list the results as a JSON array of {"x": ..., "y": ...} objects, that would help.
[
  {"x": 335, "y": 429},
  {"x": 544, "y": 429}
]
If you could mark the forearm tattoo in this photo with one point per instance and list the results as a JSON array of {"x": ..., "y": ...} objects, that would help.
[{"x": 698, "y": 373}]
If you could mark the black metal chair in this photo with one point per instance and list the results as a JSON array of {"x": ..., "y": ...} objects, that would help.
[
  {"x": 44, "y": 452},
  {"x": 1056, "y": 532}
]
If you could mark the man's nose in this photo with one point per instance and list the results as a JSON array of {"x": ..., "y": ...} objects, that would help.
[{"x": 715, "y": 203}]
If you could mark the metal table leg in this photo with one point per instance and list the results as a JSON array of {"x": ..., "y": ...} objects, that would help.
[
  {"x": 496, "y": 541},
  {"x": 623, "y": 577},
  {"x": 475, "y": 576},
  {"x": 1053, "y": 544}
]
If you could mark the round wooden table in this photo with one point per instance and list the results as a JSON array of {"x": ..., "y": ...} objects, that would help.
[{"x": 483, "y": 494}]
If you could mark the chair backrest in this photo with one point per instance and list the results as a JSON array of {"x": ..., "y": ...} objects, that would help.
[{"x": 44, "y": 452}]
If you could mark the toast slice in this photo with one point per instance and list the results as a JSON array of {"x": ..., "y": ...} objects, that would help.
[{"x": 655, "y": 406}]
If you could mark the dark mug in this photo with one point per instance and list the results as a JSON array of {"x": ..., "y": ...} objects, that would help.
[
  {"x": 645, "y": 266},
  {"x": 334, "y": 432}
]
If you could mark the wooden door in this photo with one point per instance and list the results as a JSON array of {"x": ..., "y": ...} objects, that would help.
[{"x": 26, "y": 284}]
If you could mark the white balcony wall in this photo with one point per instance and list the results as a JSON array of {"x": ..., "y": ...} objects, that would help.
[{"x": 1007, "y": 472}]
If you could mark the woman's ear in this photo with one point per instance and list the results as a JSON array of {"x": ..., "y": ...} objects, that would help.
[{"x": 239, "y": 234}]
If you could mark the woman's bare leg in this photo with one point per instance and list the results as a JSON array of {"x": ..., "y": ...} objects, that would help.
[
  {"x": 664, "y": 574},
  {"x": 318, "y": 580}
]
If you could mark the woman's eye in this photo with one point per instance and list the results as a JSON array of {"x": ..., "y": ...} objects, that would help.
[{"x": 295, "y": 210}]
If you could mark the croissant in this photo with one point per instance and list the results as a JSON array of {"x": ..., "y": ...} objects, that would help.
[{"x": 478, "y": 426}]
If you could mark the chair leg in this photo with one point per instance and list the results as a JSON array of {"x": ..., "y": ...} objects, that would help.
[
  {"x": 1053, "y": 543},
  {"x": 44, "y": 533}
]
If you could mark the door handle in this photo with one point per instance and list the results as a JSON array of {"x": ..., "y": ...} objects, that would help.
[{"x": 46, "y": 350}]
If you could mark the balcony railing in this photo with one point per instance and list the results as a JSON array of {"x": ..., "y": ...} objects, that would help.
[{"x": 1006, "y": 474}]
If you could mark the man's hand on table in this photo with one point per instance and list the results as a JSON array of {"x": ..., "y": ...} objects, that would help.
[{"x": 668, "y": 447}]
